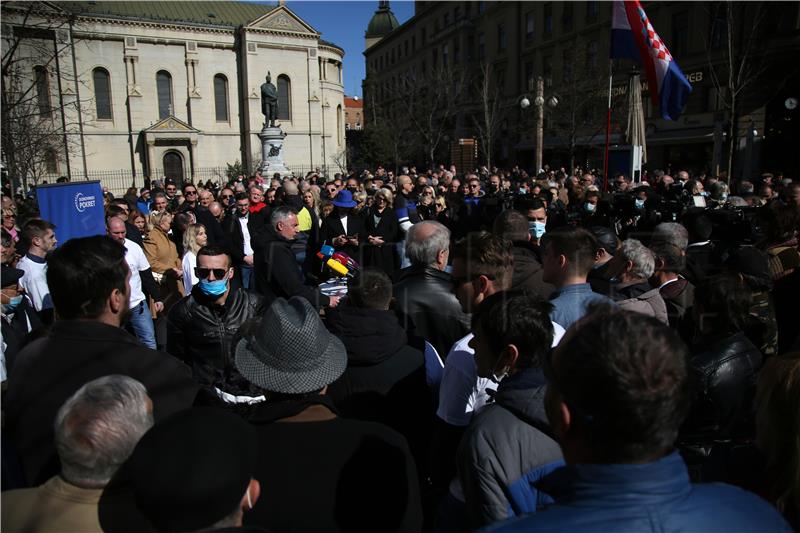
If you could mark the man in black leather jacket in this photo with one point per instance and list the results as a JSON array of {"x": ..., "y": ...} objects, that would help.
[
  {"x": 423, "y": 293},
  {"x": 200, "y": 327}
]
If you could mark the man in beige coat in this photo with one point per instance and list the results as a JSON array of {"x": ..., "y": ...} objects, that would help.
[{"x": 96, "y": 430}]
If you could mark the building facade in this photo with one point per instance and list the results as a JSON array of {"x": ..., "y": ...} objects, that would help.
[
  {"x": 512, "y": 44},
  {"x": 353, "y": 113},
  {"x": 171, "y": 88}
]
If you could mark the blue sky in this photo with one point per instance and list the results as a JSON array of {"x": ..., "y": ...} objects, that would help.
[{"x": 344, "y": 23}]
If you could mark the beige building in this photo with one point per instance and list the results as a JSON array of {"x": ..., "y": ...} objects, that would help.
[{"x": 154, "y": 89}]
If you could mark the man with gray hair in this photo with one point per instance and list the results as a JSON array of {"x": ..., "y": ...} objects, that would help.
[
  {"x": 276, "y": 272},
  {"x": 96, "y": 431},
  {"x": 423, "y": 293},
  {"x": 632, "y": 266}
]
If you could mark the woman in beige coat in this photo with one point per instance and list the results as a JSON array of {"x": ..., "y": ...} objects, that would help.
[{"x": 163, "y": 258}]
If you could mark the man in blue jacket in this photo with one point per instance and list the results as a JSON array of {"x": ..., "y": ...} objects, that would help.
[{"x": 615, "y": 402}]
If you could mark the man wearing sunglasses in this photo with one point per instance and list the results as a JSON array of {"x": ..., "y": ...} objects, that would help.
[{"x": 201, "y": 326}]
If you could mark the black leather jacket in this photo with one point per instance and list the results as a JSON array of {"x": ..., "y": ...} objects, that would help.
[
  {"x": 724, "y": 374},
  {"x": 427, "y": 307},
  {"x": 201, "y": 334}
]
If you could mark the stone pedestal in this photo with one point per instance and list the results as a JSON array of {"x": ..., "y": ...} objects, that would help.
[{"x": 272, "y": 152}]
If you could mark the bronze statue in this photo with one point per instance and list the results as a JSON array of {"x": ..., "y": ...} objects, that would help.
[{"x": 269, "y": 101}]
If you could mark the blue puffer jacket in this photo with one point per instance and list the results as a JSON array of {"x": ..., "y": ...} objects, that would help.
[
  {"x": 506, "y": 450},
  {"x": 655, "y": 497}
]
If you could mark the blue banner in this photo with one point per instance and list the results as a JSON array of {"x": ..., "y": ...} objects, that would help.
[{"x": 75, "y": 208}]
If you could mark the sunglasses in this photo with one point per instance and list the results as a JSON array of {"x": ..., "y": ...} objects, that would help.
[
  {"x": 190, "y": 192},
  {"x": 203, "y": 273},
  {"x": 226, "y": 196}
]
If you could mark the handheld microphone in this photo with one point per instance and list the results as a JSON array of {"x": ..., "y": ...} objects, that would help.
[{"x": 337, "y": 267}]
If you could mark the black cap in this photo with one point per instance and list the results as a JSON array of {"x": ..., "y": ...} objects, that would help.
[
  {"x": 10, "y": 276},
  {"x": 192, "y": 468}
]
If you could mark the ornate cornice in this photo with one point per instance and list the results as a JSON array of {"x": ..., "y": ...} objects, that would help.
[{"x": 157, "y": 24}]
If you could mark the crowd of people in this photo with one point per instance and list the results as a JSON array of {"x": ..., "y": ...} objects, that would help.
[{"x": 511, "y": 352}]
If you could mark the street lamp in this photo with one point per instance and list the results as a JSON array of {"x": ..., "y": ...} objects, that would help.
[{"x": 539, "y": 102}]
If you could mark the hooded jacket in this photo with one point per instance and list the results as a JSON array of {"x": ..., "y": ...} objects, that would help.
[
  {"x": 506, "y": 449},
  {"x": 385, "y": 377}
]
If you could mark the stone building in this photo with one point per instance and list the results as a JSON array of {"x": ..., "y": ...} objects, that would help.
[
  {"x": 567, "y": 44},
  {"x": 153, "y": 89}
]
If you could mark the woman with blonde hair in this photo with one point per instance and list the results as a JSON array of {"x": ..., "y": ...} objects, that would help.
[
  {"x": 194, "y": 238},
  {"x": 163, "y": 257},
  {"x": 10, "y": 223},
  {"x": 382, "y": 233}
]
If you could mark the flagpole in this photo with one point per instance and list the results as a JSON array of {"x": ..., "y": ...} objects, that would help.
[{"x": 608, "y": 126}]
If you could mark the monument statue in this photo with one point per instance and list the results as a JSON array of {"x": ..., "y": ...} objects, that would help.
[{"x": 269, "y": 101}]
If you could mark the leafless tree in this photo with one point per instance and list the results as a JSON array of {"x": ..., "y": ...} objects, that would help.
[
  {"x": 738, "y": 68},
  {"x": 38, "y": 122},
  {"x": 492, "y": 111}
]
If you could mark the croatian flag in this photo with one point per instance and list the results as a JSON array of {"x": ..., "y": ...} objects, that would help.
[{"x": 633, "y": 37}]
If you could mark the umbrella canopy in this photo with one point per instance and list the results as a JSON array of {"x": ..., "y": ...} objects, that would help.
[{"x": 635, "y": 132}]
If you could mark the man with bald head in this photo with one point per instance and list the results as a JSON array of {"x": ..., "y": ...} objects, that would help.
[
  {"x": 140, "y": 321},
  {"x": 216, "y": 210},
  {"x": 405, "y": 206}
]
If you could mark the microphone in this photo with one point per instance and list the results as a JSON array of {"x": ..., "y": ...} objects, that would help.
[
  {"x": 346, "y": 260},
  {"x": 325, "y": 252},
  {"x": 339, "y": 268}
]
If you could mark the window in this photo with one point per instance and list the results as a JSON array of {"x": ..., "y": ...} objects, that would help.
[
  {"x": 406, "y": 48},
  {"x": 591, "y": 56},
  {"x": 530, "y": 82},
  {"x": 51, "y": 161},
  {"x": 470, "y": 48},
  {"x": 592, "y": 10},
  {"x": 413, "y": 43},
  {"x": 502, "y": 40},
  {"x": 481, "y": 46},
  {"x": 501, "y": 81},
  {"x": 481, "y": 7},
  {"x": 444, "y": 55},
  {"x": 284, "y": 98},
  {"x": 434, "y": 57},
  {"x": 548, "y": 20},
  {"x": 547, "y": 71},
  {"x": 221, "y": 97},
  {"x": 164, "y": 88},
  {"x": 567, "y": 16},
  {"x": 680, "y": 33},
  {"x": 457, "y": 13},
  {"x": 102, "y": 93},
  {"x": 446, "y": 20},
  {"x": 567, "y": 59},
  {"x": 42, "y": 81},
  {"x": 457, "y": 51},
  {"x": 719, "y": 26},
  {"x": 339, "y": 124},
  {"x": 423, "y": 36},
  {"x": 530, "y": 18}
]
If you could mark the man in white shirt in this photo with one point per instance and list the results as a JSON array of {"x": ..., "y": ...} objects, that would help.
[
  {"x": 40, "y": 238},
  {"x": 140, "y": 320},
  {"x": 238, "y": 226}
]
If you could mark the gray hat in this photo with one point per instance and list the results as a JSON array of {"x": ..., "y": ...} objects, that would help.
[{"x": 290, "y": 351}]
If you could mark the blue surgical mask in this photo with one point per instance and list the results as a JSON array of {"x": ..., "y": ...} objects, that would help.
[
  {"x": 639, "y": 203},
  {"x": 522, "y": 190},
  {"x": 536, "y": 229},
  {"x": 589, "y": 207},
  {"x": 12, "y": 305},
  {"x": 704, "y": 193},
  {"x": 213, "y": 288}
]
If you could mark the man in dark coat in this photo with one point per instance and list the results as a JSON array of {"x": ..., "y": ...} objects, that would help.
[
  {"x": 423, "y": 293},
  {"x": 277, "y": 274},
  {"x": 89, "y": 286},
  {"x": 201, "y": 326},
  {"x": 335, "y": 474},
  {"x": 19, "y": 318},
  {"x": 513, "y": 226}
]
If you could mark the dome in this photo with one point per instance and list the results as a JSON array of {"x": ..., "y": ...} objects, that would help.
[{"x": 382, "y": 22}]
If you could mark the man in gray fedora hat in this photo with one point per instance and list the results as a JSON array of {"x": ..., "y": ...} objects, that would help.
[{"x": 322, "y": 472}]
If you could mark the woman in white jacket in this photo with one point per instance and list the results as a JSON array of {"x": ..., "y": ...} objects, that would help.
[{"x": 193, "y": 239}]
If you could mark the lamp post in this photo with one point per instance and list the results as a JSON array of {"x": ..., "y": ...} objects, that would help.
[{"x": 539, "y": 102}]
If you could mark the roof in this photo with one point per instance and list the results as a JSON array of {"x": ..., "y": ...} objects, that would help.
[
  {"x": 382, "y": 22},
  {"x": 350, "y": 101},
  {"x": 323, "y": 42},
  {"x": 212, "y": 13}
]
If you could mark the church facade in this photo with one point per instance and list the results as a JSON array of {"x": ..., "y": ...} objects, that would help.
[{"x": 168, "y": 89}]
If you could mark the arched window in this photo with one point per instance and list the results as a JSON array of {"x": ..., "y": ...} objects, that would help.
[
  {"x": 284, "y": 98},
  {"x": 42, "y": 81},
  {"x": 102, "y": 93},
  {"x": 173, "y": 166},
  {"x": 164, "y": 88},
  {"x": 339, "y": 125},
  {"x": 221, "y": 97},
  {"x": 51, "y": 161}
]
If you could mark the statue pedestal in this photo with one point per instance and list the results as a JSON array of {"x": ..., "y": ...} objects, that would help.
[{"x": 272, "y": 152}]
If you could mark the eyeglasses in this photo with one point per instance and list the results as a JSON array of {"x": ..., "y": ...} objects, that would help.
[
  {"x": 474, "y": 186},
  {"x": 203, "y": 273},
  {"x": 9, "y": 216},
  {"x": 226, "y": 196},
  {"x": 190, "y": 192},
  {"x": 428, "y": 193}
]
